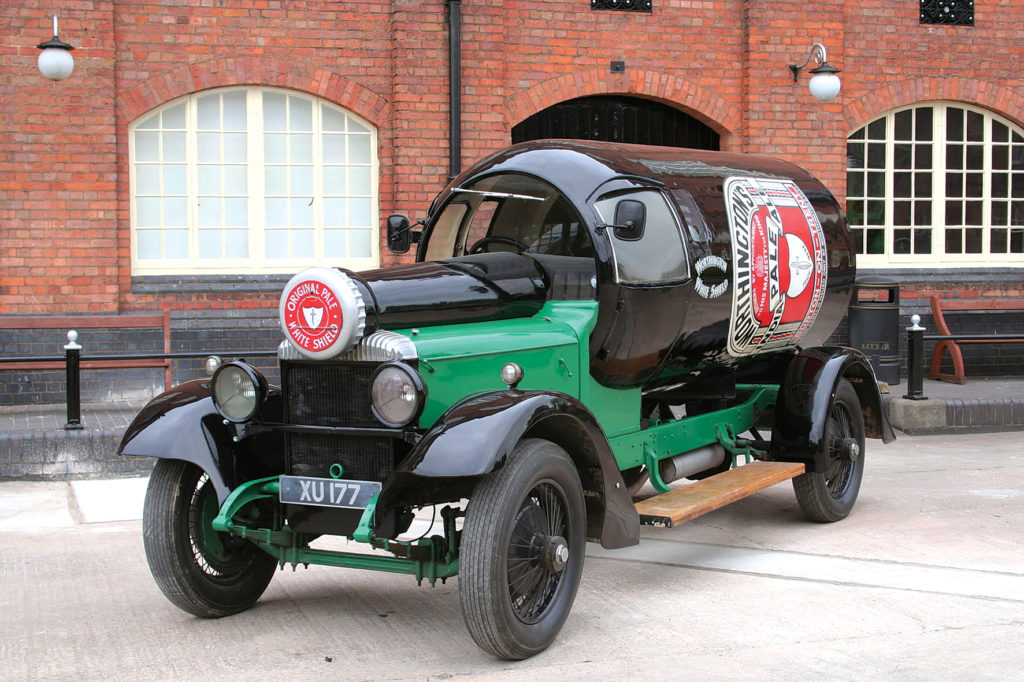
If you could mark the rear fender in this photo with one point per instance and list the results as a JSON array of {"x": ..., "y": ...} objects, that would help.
[
  {"x": 476, "y": 437},
  {"x": 805, "y": 400},
  {"x": 183, "y": 424}
]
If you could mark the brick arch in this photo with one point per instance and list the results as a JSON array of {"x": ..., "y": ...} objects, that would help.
[
  {"x": 721, "y": 115},
  {"x": 231, "y": 71},
  {"x": 996, "y": 98}
]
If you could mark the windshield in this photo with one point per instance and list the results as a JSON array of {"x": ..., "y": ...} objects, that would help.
[{"x": 508, "y": 212}]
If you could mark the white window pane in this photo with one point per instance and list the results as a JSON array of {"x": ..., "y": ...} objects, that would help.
[
  {"x": 274, "y": 112},
  {"x": 277, "y": 212},
  {"x": 275, "y": 148},
  {"x": 355, "y": 126},
  {"x": 235, "y": 181},
  {"x": 359, "y": 243},
  {"x": 208, "y": 112},
  {"x": 234, "y": 110},
  {"x": 301, "y": 113},
  {"x": 334, "y": 212},
  {"x": 176, "y": 244},
  {"x": 276, "y": 178},
  {"x": 359, "y": 149},
  {"x": 236, "y": 212},
  {"x": 174, "y": 179},
  {"x": 334, "y": 180},
  {"x": 334, "y": 148},
  {"x": 334, "y": 244},
  {"x": 302, "y": 212},
  {"x": 209, "y": 180},
  {"x": 359, "y": 212},
  {"x": 175, "y": 117},
  {"x": 333, "y": 119},
  {"x": 148, "y": 244},
  {"x": 209, "y": 244},
  {"x": 276, "y": 242},
  {"x": 147, "y": 146},
  {"x": 209, "y": 212},
  {"x": 174, "y": 147},
  {"x": 175, "y": 212},
  {"x": 359, "y": 181},
  {"x": 208, "y": 147},
  {"x": 234, "y": 147},
  {"x": 236, "y": 244},
  {"x": 147, "y": 212},
  {"x": 151, "y": 123},
  {"x": 301, "y": 148},
  {"x": 302, "y": 244},
  {"x": 302, "y": 180},
  {"x": 147, "y": 179}
]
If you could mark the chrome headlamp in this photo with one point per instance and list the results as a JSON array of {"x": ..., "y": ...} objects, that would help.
[
  {"x": 398, "y": 394},
  {"x": 238, "y": 391}
]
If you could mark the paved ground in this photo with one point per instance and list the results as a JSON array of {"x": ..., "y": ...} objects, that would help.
[{"x": 924, "y": 581}]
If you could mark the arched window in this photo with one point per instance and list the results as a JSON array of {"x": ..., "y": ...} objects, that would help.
[
  {"x": 937, "y": 185},
  {"x": 252, "y": 180}
]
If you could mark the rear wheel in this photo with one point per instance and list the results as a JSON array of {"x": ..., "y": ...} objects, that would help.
[
  {"x": 201, "y": 571},
  {"x": 829, "y": 495},
  {"x": 522, "y": 550}
]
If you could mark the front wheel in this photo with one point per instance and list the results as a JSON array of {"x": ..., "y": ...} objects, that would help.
[
  {"x": 201, "y": 571},
  {"x": 829, "y": 495},
  {"x": 522, "y": 550}
]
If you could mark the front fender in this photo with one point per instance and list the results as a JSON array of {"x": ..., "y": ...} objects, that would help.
[
  {"x": 183, "y": 424},
  {"x": 805, "y": 400},
  {"x": 476, "y": 437}
]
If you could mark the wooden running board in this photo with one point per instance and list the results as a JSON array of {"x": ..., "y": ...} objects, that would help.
[{"x": 690, "y": 501}]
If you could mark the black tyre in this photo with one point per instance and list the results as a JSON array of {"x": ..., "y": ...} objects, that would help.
[
  {"x": 829, "y": 495},
  {"x": 201, "y": 571},
  {"x": 522, "y": 551}
]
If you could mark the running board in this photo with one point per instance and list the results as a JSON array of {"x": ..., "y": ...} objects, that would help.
[{"x": 690, "y": 501}]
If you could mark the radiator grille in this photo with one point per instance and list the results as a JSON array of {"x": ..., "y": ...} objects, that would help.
[
  {"x": 331, "y": 394},
  {"x": 363, "y": 459},
  {"x": 324, "y": 394}
]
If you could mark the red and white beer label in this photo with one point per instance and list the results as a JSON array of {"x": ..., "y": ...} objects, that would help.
[
  {"x": 312, "y": 316},
  {"x": 779, "y": 264}
]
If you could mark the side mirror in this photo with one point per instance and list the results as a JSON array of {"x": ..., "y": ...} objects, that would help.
[
  {"x": 630, "y": 216},
  {"x": 399, "y": 233}
]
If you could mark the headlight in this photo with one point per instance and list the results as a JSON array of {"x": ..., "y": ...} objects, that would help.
[
  {"x": 238, "y": 390},
  {"x": 398, "y": 394}
]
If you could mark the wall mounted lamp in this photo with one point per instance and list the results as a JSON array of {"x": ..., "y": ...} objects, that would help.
[
  {"x": 824, "y": 84},
  {"x": 55, "y": 60}
]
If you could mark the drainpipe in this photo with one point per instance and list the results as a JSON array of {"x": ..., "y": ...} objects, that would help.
[{"x": 454, "y": 88}]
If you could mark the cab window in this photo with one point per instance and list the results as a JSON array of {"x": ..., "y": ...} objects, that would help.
[
  {"x": 658, "y": 253},
  {"x": 508, "y": 212}
]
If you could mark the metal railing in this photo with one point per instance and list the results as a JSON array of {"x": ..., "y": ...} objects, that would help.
[
  {"x": 73, "y": 359},
  {"x": 915, "y": 352}
]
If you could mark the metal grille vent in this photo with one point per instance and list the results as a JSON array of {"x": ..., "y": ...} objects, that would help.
[
  {"x": 327, "y": 394},
  {"x": 949, "y": 12}
]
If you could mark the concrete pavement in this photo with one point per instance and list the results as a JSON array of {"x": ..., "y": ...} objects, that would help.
[{"x": 924, "y": 581}]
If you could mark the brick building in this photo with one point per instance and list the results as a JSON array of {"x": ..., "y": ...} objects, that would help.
[{"x": 203, "y": 151}]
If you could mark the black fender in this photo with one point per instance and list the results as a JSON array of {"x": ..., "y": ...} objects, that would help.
[
  {"x": 476, "y": 436},
  {"x": 805, "y": 399},
  {"x": 183, "y": 424}
]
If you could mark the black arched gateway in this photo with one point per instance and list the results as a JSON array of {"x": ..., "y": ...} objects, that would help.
[{"x": 617, "y": 119}]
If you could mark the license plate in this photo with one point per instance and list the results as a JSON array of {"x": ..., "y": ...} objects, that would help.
[{"x": 327, "y": 492}]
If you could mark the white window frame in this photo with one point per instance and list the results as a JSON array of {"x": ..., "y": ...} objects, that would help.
[
  {"x": 257, "y": 261},
  {"x": 938, "y": 257}
]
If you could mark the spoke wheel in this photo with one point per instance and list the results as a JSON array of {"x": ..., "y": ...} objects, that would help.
[
  {"x": 200, "y": 570},
  {"x": 829, "y": 495},
  {"x": 522, "y": 551}
]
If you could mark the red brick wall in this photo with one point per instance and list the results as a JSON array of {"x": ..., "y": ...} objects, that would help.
[{"x": 64, "y": 216}]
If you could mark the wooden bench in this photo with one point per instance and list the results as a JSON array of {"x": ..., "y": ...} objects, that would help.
[
  {"x": 152, "y": 320},
  {"x": 940, "y": 305}
]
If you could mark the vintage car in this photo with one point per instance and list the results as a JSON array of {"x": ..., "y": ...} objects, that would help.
[{"x": 582, "y": 319}]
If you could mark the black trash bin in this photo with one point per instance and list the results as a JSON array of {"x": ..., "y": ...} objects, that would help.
[{"x": 874, "y": 323}]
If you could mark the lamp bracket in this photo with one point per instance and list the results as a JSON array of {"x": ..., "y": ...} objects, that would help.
[{"x": 819, "y": 58}]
